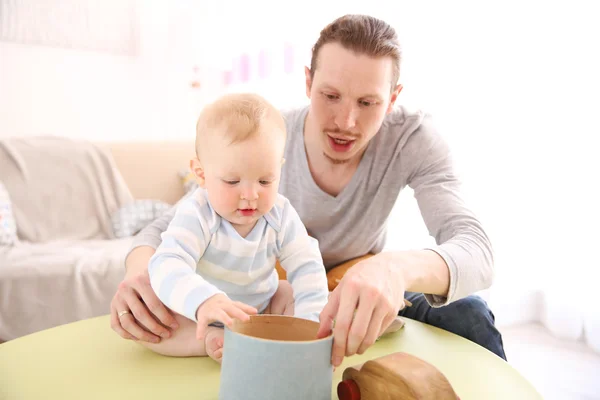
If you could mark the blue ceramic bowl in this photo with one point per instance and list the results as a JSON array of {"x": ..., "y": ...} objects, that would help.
[{"x": 275, "y": 357}]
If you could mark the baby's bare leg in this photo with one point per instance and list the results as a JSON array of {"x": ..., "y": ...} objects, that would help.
[
  {"x": 282, "y": 302},
  {"x": 183, "y": 342}
]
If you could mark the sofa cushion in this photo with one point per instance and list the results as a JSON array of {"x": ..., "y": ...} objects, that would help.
[
  {"x": 188, "y": 180},
  {"x": 133, "y": 217},
  {"x": 8, "y": 228},
  {"x": 61, "y": 188},
  {"x": 43, "y": 285}
]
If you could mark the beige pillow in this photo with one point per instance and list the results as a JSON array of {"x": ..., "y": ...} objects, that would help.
[{"x": 61, "y": 188}]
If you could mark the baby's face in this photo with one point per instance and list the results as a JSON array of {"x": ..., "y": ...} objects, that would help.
[{"x": 242, "y": 179}]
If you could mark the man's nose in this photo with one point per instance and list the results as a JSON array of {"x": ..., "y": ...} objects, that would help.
[{"x": 346, "y": 117}]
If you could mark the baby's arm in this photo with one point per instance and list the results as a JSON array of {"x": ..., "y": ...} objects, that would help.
[
  {"x": 172, "y": 268},
  {"x": 301, "y": 258}
]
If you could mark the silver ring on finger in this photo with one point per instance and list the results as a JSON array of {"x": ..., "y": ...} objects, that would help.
[{"x": 121, "y": 313}]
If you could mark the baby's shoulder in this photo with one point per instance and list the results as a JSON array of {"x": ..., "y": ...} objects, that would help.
[
  {"x": 198, "y": 205},
  {"x": 278, "y": 214}
]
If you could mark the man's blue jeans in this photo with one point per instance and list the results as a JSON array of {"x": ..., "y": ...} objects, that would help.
[{"x": 470, "y": 318}]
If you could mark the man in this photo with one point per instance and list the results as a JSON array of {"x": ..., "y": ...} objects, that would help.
[{"x": 348, "y": 156}]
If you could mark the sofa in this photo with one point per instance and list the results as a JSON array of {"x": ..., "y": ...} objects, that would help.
[{"x": 66, "y": 260}]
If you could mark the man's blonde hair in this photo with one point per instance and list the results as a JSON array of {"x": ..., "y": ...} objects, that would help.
[{"x": 238, "y": 117}]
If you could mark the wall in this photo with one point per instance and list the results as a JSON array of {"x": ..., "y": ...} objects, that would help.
[{"x": 89, "y": 94}]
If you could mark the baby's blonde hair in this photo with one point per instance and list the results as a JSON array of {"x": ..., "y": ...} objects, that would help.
[{"x": 238, "y": 117}]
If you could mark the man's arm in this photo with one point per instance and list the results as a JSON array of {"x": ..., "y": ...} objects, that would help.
[
  {"x": 149, "y": 319},
  {"x": 423, "y": 271},
  {"x": 462, "y": 244},
  {"x": 146, "y": 241}
]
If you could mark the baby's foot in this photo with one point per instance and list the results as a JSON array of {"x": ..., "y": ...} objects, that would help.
[{"x": 213, "y": 343}]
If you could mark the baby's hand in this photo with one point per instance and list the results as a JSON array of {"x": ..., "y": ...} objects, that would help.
[{"x": 221, "y": 308}]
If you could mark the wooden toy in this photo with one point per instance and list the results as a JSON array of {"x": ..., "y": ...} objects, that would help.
[{"x": 397, "y": 376}]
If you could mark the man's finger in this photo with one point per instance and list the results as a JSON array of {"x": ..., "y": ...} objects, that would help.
[
  {"x": 127, "y": 321},
  {"x": 362, "y": 322},
  {"x": 129, "y": 324},
  {"x": 115, "y": 324},
  {"x": 374, "y": 330},
  {"x": 387, "y": 321},
  {"x": 140, "y": 313},
  {"x": 328, "y": 314},
  {"x": 157, "y": 308},
  {"x": 343, "y": 321}
]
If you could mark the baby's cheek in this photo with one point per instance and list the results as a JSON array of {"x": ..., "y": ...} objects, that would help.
[{"x": 269, "y": 199}]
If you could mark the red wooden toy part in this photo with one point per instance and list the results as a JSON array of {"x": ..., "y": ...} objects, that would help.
[{"x": 348, "y": 390}]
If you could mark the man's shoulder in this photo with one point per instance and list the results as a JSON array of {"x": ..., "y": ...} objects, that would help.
[
  {"x": 288, "y": 112},
  {"x": 404, "y": 116},
  {"x": 404, "y": 122},
  {"x": 293, "y": 116}
]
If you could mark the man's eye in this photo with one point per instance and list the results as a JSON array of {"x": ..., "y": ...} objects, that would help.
[
  {"x": 331, "y": 96},
  {"x": 366, "y": 103}
]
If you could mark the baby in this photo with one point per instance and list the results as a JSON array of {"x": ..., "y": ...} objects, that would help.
[{"x": 216, "y": 262}]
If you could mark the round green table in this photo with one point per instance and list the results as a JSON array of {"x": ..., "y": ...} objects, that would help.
[{"x": 87, "y": 360}]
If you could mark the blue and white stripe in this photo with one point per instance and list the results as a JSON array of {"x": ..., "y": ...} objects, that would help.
[{"x": 202, "y": 254}]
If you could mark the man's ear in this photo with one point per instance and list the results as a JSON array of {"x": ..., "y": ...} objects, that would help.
[
  {"x": 198, "y": 171},
  {"x": 393, "y": 97},
  {"x": 308, "y": 81}
]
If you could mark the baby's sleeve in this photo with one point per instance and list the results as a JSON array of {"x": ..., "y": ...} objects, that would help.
[
  {"x": 301, "y": 258},
  {"x": 172, "y": 268}
]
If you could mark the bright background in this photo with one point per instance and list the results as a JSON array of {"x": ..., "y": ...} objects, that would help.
[{"x": 514, "y": 87}]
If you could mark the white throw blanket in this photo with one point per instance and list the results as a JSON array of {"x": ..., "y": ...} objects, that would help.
[
  {"x": 43, "y": 285},
  {"x": 61, "y": 188},
  {"x": 66, "y": 265}
]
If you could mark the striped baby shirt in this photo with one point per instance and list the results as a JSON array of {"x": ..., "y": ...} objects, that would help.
[{"x": 201, "y": 254}]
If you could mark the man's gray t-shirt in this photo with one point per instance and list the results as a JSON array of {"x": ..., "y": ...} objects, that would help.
[{"x": 407, "y": 150}]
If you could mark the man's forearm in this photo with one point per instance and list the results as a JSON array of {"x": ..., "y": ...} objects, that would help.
[
  {"x": 151, "y": 234},
  {"x": 424, "y": 271},
  {"x": 145, "y": 243},
  {"x": 138, "y": 258}
]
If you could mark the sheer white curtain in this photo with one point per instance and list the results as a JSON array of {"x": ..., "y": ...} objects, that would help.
[{"x": 515, "y": 90}]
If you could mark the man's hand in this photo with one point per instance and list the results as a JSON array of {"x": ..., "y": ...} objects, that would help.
[
  {"x": 221, "y": 308},
  {"x": 374, "y": 288},
  {"x": 147, "y": 318}
]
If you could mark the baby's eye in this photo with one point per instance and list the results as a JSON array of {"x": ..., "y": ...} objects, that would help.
[
  {"x": 265, "y": 183},
  {"x": 231, "y": 182}
]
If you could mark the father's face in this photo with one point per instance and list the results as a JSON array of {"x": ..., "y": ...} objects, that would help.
[{"x": 350, "y": 95}]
